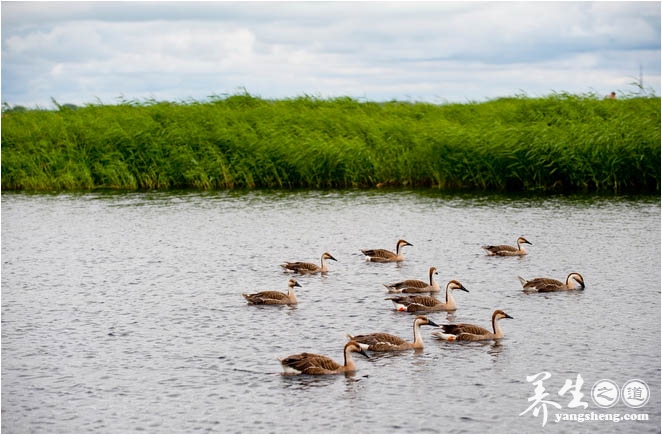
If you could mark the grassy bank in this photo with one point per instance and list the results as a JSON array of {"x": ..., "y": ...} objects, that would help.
[{"x": 558, "y": 143}]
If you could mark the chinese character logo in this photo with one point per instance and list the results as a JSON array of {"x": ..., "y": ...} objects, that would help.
[
  {"x": 575, "y": 392},
  {"x": 635, "y": 393},
  {"x": 538, "y": 399},
  {"x": 605, "y": 393}
]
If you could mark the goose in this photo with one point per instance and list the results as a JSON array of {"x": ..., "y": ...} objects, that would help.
[
  {"x": 308, "y": 268},
  {"x": 415, "y": 285},
  {"x": 572, "y": 282},
  {"x": 271, "y": 297},
  {"x": 468, "y": 332},
  {"x": 384, "y": 255},
  {"x": 428, "y": 303},
  {"x": 383, "y": 342},
  {"x": 507, "y": 250},
  {"x": 313, "y": 364}
]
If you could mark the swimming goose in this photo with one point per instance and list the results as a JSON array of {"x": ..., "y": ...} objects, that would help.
[
  {"x": 383, "y": 342},
  {"x": 308, "y": 268},
  {"x": 271, "y": 297},
  {"x": 313, "y": 364},
  {"x": 551, "y": 285},
  {"x": 468, "y": 332},
  {"x": 384, "y": 255},
  {"x": 415, "y": 285},
  {"x": 507, "y": 250},
  {"x": 428, "y": 303}
]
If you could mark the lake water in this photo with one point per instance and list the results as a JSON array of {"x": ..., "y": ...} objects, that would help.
[{"x": 123, "y": 312}]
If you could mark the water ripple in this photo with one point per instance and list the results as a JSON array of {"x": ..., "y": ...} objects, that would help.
[{"x": 110, "y": 327}]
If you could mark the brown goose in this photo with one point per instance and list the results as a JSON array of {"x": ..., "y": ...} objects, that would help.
[
  {"x": 416, "y": 303},
  {"x": 313, "y": 364},
  {"x": 272, "y": 297},
  {"x": 308, "y": 268},
  {"x": 572, "y": 282},
  {"x": 507, "y": 250},
  {"x": 415, "y": 285},
  {"x": 384, "y": 255},
  {"x": 468, "y": 332},
  {"x": 383, "y": 342}
]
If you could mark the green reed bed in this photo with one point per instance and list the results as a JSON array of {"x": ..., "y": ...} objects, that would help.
[{"x": 557, "y": 143}]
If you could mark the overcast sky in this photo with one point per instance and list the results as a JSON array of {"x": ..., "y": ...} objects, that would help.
[{"x": 91, "y": 52}]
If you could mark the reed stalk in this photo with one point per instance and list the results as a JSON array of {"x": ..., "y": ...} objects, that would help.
[{"x": 559, "y": 143}]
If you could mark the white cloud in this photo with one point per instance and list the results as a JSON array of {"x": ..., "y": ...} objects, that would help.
[{"x": 429, "y": 51}]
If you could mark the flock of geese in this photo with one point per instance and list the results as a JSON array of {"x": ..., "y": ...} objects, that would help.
[{"x": 409, "y": 299}]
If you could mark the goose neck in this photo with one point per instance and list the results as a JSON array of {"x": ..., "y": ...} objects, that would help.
[
  {"x": 349, "y": 364},
  {"x": 450, "y": 300},
  {"x": 496, "y": 327},
  {"x": 291, "y": 295},
  {"x": 568, "y": 282},
  {"x": 418, "y": 338}
]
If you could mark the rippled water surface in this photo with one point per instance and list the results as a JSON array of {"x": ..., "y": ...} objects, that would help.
[{"x": 123, "y": 313}]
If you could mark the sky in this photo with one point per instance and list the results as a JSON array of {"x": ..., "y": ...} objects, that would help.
[{"x": 437, "y": 52}]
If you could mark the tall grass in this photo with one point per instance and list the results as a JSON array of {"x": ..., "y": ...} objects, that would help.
[{"x": 558, "y": 143}]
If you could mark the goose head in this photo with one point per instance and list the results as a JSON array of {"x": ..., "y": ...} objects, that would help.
[
  {"x": 455, "y": 285},
  {"x": 433, "y": 271},
  {"x": 523, "y": 240},
  {"x": 422, "y": 320},
  {"x": 353, "y": 346},
  {"x": 402, "y": 243},
  {"x": 327, "y": 256},
  {"x": 499, "y": 314},
  {"x": 577, "y": 278},
  {"x": 293, "y": 283}
]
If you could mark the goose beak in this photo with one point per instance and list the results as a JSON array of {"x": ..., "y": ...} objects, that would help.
[
  {"x": 508, "y": 317},
  {"x": 330, "y": 257},
  {"x": 431, "y": 323},
  {"x": 364, "y": 353},
  {"x": 296, "y": 284},
  {"x": 463, "y": 289}
]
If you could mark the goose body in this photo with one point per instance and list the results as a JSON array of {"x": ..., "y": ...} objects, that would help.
[
  {"x": 308, "y": 268},
  {"x": 416, "y": 303},
  {"x": 415, "y": 285},
  {"x": 384, "y": 255},
  {"x": 383, "y": 342},
  {"x": 507, "y": 250},
  {"x": 468, "y": 332},
  {"x": 573, "y": 281},
  {"x": 313, "y": 364},
  {"x": 272, "y": 297}
]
